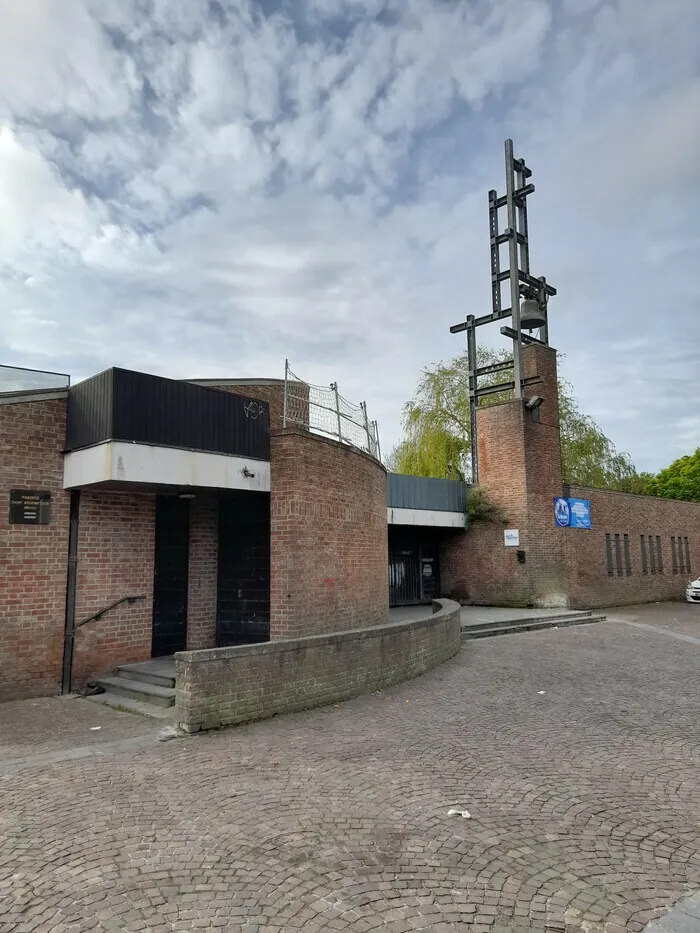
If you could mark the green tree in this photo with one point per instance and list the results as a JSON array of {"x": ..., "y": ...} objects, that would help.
[
  {"x": 436, "y": 424},
  {"x": 680, "y": 479},
  {"x": 436, "y": 427},
  {"x": 589, "y": 458}
]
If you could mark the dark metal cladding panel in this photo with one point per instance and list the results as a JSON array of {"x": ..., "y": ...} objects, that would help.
[
  {"x": 150, "y": 409},
  {"x": 90, "y": 408},
  {"x": 420, "y": 492}
]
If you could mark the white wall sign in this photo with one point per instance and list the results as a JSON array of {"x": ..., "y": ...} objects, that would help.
[{"x": 511, "y": 537}]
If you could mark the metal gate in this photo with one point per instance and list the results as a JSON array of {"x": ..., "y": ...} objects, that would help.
[
  {"x": 170, "y": 576},
  {"x": 413, "y": 570}
]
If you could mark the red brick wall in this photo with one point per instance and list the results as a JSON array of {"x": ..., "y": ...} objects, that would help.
[
  {"x": 545, "y": 566},
  {"x": 116, "y": 544},
  {"x": 242, "y": 684},
  {"x": 201, "y": 599},
  {"x": 520, "y": 469},
  {"x": 33, "y": 558},
  {"x": 475, "y": 566},
  {"x": 613, "y": 513},
  {"x": 329, "y": 543}
]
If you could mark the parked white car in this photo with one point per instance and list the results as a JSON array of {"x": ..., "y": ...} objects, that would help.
[{"x": 692, "y": 591}]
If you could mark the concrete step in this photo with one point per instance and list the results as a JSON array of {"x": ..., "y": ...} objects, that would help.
[
  {"x": 138, "y": 690},
  {"x": 124, "y": 704},
  {"x": 523, "y": 625},
  {"x": 556, "y": 618},
  {"x": 147, "y": 673}
]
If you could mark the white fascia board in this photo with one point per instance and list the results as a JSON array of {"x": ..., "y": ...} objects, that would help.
[
  {"x": 121, "y": 462},
  {"x": 427, "y": 517}
]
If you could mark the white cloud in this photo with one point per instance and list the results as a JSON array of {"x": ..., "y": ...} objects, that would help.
[
  {"x": 208, "y": 189},
  {"x": 42, "y": 221},
  {"x": 55, "y": 59}
]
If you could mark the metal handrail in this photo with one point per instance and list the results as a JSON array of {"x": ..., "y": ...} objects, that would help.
[{"x": 98, "y": 615}]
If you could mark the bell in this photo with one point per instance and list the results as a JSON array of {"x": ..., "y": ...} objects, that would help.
[{"x": 531, "y": 314}]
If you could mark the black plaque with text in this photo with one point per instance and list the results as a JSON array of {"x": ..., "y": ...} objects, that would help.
[{"x": 29, "y": 507}]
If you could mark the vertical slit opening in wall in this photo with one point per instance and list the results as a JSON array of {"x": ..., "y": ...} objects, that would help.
[
  {"x": 687, "y": 556},
  {"x": 652, "y": 556},
  {"x": 618, "y": 556},
  {"x": 71, "y": 591},
  {"x": 643, "y": 548},
  {"x": 628, "y": 556},
  {"x": 659, "y": 555},
  {"x": 681, "y": 560},
  {"x": 608, "y": 555},
  {"x": 674, "y": 559}
]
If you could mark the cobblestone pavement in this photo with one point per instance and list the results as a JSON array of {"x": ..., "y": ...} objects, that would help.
[
  {"x": 45, "y": 726},
  {"x": 584, "y": 801}
]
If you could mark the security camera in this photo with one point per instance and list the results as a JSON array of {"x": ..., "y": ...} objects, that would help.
[{"x": 532, "y": 403}]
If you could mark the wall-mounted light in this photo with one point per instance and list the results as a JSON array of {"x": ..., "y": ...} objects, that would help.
[
  {"x": 247, "y": 473},
  {"x": 534, "y": 402}
]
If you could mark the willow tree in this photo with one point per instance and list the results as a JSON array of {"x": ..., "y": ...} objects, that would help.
[{"x": 437, "y": 434}]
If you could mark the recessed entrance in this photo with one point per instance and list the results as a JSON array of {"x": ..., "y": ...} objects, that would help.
[
  {"x": 170, "y": 576},
  {"x": 413, "y": 566}
]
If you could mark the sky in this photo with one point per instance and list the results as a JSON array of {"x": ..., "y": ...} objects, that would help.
[{"x": 204, "y": 189}]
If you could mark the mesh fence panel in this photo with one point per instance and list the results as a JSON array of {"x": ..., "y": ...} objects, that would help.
[{"x": 323, "y": 410}]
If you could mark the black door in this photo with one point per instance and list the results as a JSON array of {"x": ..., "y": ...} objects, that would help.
[
  {"x": 404, "y": 575},
  {"x": 243, "y": 599},
  {"x": 170, "y": 580},
  {"x": 414, "y": 576}
]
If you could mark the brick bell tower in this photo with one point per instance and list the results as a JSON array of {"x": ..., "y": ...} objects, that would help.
[
  {"x": 520, "y": 469},
  {"x": 516, "y": 451}
]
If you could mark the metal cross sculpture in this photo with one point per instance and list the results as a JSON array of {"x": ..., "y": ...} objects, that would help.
[{"x": 535, "y": 292}]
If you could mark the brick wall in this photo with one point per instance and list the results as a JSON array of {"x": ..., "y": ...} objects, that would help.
[
  {"x": 33, "y": 558},
  {"x": 329, "y": 543},
  {"x": 613, "y": 513},
  {"x": 202, "y": 586},
  {"x": 116, "y": 544},
  {"x": 520, "y": 469},
  {"x": 224, "y": 686}
]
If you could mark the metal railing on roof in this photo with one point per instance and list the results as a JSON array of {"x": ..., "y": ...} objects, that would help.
[
  {"x": 323, "y": 410},
  {"x": 19, "y": 379}
]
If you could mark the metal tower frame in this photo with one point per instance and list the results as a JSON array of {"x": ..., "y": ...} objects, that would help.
[{"x": 522, "y": 285}]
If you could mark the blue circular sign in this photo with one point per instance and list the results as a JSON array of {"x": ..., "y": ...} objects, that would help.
[{"x": 562, "y": 513}]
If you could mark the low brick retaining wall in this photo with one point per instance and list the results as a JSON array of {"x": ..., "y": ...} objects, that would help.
[{"x": 224, "y": 686}]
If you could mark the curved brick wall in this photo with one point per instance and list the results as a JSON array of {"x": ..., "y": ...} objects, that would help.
[
  {"x": 224, "y": 686},
  {"x": 328, "y": 537}
]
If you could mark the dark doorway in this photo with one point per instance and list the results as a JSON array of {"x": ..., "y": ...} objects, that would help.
[
  {"x": 243, "y": 598},
  {"x": 170, "y": 577},
  {"x": 414, "y": 576}
]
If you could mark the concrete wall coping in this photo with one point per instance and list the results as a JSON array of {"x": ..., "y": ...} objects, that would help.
[
  {"x": 341, "y": 445},
  {"x": 32, "y": 395},
  {"x": 242, "y": 381},
  {"x": 445, "y": 607},
  {"x": 631, "y": 495}
]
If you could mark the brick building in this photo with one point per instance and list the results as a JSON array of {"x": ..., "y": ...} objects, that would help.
[
  {"x": 638, "y": 549},
  {"x": 140, "y": 516},
  {"x": 174, "y": 515}
]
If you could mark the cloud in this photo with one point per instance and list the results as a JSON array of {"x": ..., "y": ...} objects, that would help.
[{"x": 207, "y": 188}]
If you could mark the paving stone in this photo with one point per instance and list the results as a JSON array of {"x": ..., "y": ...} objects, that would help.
[{"x": 585, "y": 810}]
